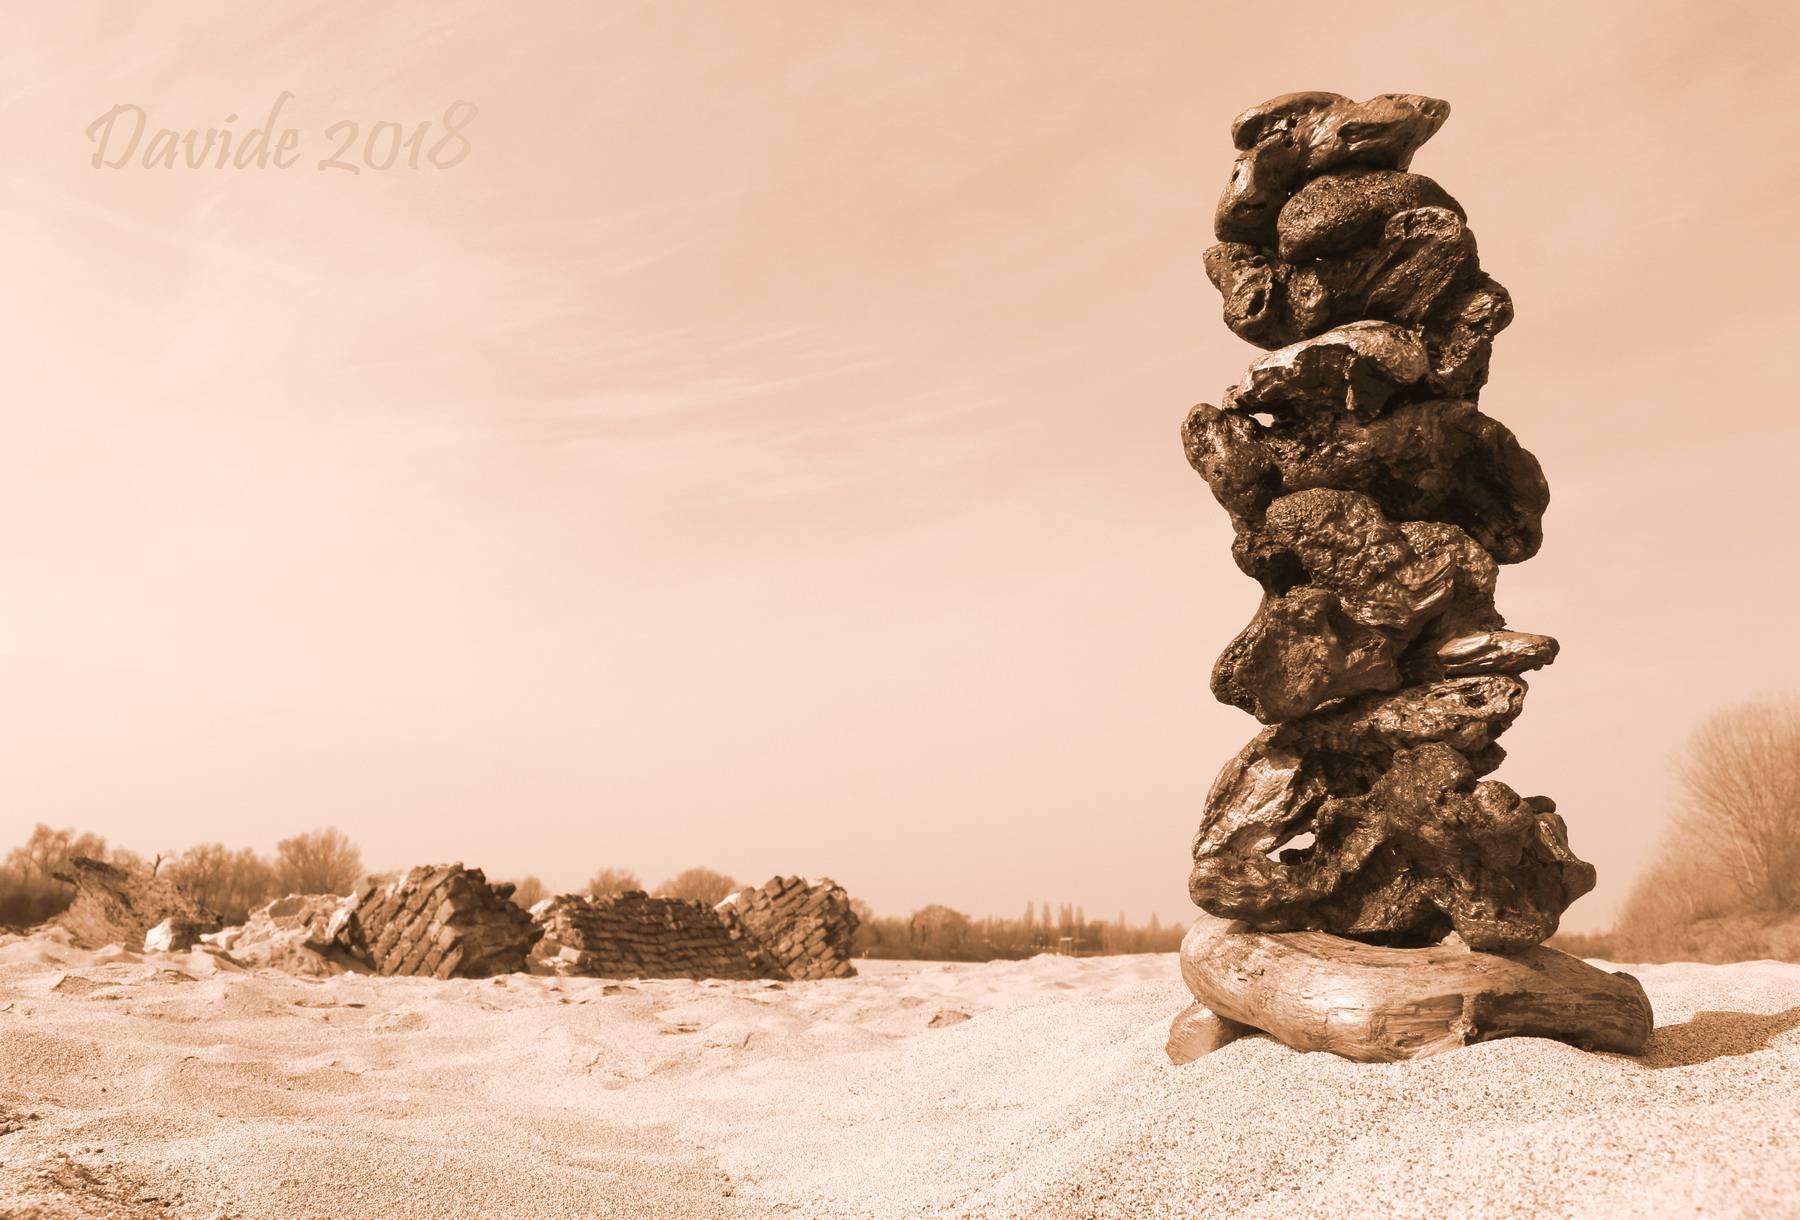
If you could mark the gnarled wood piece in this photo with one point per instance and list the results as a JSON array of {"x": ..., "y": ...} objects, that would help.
[
  {"x": 1421, "y": 272},
  {"x": 1426, "y": 850},
  {"x": 1300, "y": 135},
  {"x": 1319, "y": 992},
  {"x": 1439, "y": 460},
  {"x": 1197, "y": 1030},
  {"x": 1348, "y": 593}
]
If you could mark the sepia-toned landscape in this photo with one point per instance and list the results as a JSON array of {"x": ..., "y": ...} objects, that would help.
[
  {"x": 178, "y": 1085},
  {"x": 675, "y": 608},
  {"x": 261, "y": 1071}
]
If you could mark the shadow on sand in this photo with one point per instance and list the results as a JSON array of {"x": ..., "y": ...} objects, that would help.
[{"x": 1716, "y": 1035}]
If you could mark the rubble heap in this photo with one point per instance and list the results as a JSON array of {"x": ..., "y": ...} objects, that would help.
[
  {"x": 1373, "y": 502},
  {"x": 632, "y": 935},
  {"x": 786, "y": 929},
  {"x": 117, "y": 906},
  {"x": 445, "y": 921},
  {"x": 306, "y": 934},
  {"x": 803, "y": 927}
]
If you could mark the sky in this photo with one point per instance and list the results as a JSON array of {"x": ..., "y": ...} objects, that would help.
[{"x": 761, "y": 450}]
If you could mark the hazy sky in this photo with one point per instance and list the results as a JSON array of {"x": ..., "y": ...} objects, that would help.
[{"x": 762, "y": 451}]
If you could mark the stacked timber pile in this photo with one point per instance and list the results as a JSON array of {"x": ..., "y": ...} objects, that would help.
[
  {"x": 116, "y": 906},
  {"x": 445, "y": 921},
  {"x": 786, "y": 929},
  {"x": 802, "y": 927},
  {"x": 632, "y": 935}
]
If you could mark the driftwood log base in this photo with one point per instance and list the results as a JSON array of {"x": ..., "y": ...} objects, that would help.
[
  {"x": 1197, "y": 1030},
  {"x": 1320, "y": 992}
]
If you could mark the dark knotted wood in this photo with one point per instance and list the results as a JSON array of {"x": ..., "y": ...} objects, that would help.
[{"x": 1320, "y": 992}]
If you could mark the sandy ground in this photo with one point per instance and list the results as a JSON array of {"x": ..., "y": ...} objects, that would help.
[{"x": 180, "y": 1085}]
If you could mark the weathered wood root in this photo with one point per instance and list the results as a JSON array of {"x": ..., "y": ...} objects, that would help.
[
  {"x": 1319, "y": 992},
  {"x": 1197, "y": 1030}
]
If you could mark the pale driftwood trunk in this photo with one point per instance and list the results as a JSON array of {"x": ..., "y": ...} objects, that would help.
[
  {"x": 1319, "y": 992},
  {"x": 1197, "y": 1030}
]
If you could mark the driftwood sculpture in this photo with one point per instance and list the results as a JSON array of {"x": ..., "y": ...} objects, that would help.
[{"x": 1373, "y": 502}]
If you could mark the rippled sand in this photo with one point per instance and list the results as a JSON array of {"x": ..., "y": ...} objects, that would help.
[{"x": 180, "y": 1085}]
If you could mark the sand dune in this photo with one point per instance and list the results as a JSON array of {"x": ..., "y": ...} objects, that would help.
[{"x": 181, "y": 1085}]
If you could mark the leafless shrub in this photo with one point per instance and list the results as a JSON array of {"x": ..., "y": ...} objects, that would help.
[
  {"x": 938, "y": 929},
  {"x": 607, "y": 882},
  {"x": 1740, "y": 820},
  {"x": 317, "y": 862},
  {"x": 230, "y": 882},
  {"x": 29, "y": 890},
  {"x": 942, "y": 933},
  {"x": 529, "y": 891},
  {"x": 1728, "y": 878},
  {"x": 699, "y": 885}
]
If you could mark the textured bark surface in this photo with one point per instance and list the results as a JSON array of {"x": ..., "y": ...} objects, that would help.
[
  {"x": 1197, "y": 1030},
  {"x": 1436, "y": 460},
  {"x": 1423, "y": 267},
  {"x": 1337, "y": 213},
  {"x": 1349, "y": 595},
  {"x": 1373, "y": 502},
  {"x": 1298, "y": 136},
  {"x": 1426, "y": 850},
  {"x": 1318, "y": 992}
]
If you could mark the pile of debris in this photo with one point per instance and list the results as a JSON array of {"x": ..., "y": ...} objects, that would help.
[
  {"x": 307, "y": 934},
  {"x": 802, "y": 927},
  {"x": 786, "y": 929},
  {"x": 632, "y": 935},
  {"x": 114, "y": 906},
  {"x": 446, "y": 921}
]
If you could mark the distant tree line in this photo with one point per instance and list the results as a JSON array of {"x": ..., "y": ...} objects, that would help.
[
  {"x": 231, "y": 882},
  {"x": 939, "y": 933},
  {"x": 695, "y": 884},
  {"x": 235, "y": 881},
  {"x": 1726, "y": 886}
]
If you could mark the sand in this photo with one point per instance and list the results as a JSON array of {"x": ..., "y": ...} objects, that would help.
[{"x": 178, "y": 1085}]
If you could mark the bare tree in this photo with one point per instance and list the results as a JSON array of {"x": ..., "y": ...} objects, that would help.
[
  {"x": 529, "y": 891},
  {"x": 699, "y": 885},
  {"x": 230, "y": 882},
  {"x": 607, "y": 882},
  {"x": 317, "y": 862},
  {"x": 29, "y": 889},
  {"x": 1740, "y": 816},
  {"x": 939, "y": 926},
  {"x": 48, "y": 852}
]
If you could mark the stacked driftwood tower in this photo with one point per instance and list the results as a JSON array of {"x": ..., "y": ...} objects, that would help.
[{"x": 1373, "y": 502}]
